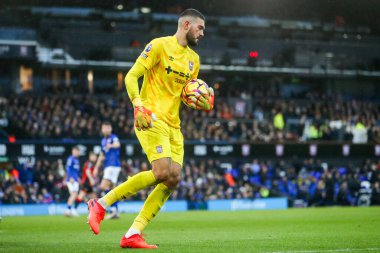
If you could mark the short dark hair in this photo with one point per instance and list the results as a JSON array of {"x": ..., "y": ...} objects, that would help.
[
  {"x": 106, "y": 123},
  {"x": 76, "y": 147},
  {"x": 193, "y": 13}
]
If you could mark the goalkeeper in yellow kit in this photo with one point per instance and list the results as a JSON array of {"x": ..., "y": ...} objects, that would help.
[{"x": 167, "y": 64}]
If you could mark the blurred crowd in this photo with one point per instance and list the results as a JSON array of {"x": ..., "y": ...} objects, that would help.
[
  {"x": 67, "y": 117},
  {"x": 258, "y": 116},
  {"x": 306, "y": 182}
]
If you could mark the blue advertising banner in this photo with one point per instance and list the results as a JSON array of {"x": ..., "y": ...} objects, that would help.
[
  {"x": 244, "y": 204},
  {"x": 135, "y": 206},
  {"x": 59, "y": 209}
]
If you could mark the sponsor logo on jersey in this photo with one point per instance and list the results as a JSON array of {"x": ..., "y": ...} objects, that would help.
[
  {"x": 181, "y": 74},
  {"x": 191, "y": 65},
  {"x": 171, "y": 58},
  {"x": 148, "y": 48},
  {"x": 144, "y": 56},
  {"x": 159, "y": 149}
]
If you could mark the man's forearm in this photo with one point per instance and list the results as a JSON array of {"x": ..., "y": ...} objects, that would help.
[{"x": 131, "y": 81}]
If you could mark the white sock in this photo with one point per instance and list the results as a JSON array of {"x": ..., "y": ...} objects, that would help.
[
  {"x": 132, "y": 231},
  {"x": 103, "y": 203}
]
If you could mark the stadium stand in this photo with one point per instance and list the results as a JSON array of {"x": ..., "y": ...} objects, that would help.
[
  {"x": 316, "y": 182},
  {"x": 325, "y": 90}
]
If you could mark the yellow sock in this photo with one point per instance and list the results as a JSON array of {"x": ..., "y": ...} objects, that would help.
[
  {"x": 152, "y": 206},
  {"x": 130, "y": 187}
]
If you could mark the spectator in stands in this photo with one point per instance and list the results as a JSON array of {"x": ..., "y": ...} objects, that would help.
[
  {"x": 343, "y": 197},
  {"x": 375, "y": 197},
  {"x": 319, "y": 197},
  {"x": 359, "y": 133}
]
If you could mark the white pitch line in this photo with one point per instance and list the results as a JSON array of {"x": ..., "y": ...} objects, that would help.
[{"x": 327, "y": 250}]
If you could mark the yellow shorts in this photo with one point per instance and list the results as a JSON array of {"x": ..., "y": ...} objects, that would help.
[{"x": 162, "y": 141}]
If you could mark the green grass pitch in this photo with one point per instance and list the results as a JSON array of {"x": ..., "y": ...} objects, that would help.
[{"x": 294, "y": 230}]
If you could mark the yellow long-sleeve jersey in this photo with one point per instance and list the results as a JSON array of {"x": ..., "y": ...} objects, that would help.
[{"x": 167, "y": 68}]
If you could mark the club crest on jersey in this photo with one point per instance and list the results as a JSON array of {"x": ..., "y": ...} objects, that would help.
[
  {"x": 191, "y": 65},
  {"x": 159, "y": 149},
  {"x": 148, "y": 48}
]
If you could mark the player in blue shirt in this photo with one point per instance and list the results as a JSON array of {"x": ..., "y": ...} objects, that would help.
[
  {"x": 110, "y": 158},
  {"x": 72, "y": 180}
]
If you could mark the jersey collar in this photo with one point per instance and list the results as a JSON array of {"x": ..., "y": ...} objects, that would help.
[{"x": 179, "y": 47}]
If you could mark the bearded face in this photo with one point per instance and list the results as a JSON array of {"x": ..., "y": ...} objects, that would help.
[{"x": 191, "y": 38}]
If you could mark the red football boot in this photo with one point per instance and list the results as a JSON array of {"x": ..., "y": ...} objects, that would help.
[
  {"x": 135, "y": 242},
  {"x": 95, "y": 215}
]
